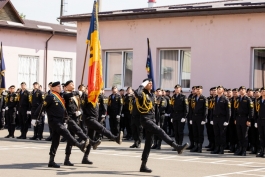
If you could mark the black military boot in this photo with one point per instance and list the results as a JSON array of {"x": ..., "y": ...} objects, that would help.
[
  {"x": 63, "y": 139},
  {"x": 191, "y": 145},
  {"x": 238, "y": 151},
  {"x": 232, "y": 148},
  {"x": 211, "y": 148},
  {"x": 138, "y": 145},
  {"x": 134, "y": 145},
  {"x": 195, "y": 148},
  {"x": 261, "y": 153},
  {"x": 119, "y": 138},
  {"x": 48, "y": 139},
  {"x": 144, "y": 168},
  {"x": 159, "y": 144},
  {"x": 85, "y": 158},
  {"x": 253, "y": 150},
  {"x": 8, "y": 136},
  {"x": 216, "y": 150},
  {"x": 67, "y": 160},
  {"x": 19, "y": 137},
  {"x": 221, "y": 150},
  {"x": 199, "y": 148},
  {"x": 95, "y": 144},
  {"x": 180, "y": 148},
  {"x": 52, "y": 164},
  {"x": 83, "y": 145},
  {"x": 154, "y": 145},
  {"x": 244, "y": 152}
]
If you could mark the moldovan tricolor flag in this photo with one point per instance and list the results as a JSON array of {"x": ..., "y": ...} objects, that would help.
[{"x": 95, "y": 81}]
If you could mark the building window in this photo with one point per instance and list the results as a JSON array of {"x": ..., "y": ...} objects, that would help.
[
  {"x": 28, "y": 69},
  {"x": 62, "y": 69},
  {"x": 259, "y": 67},
  {"x": 175, "y": 68},
  {"x": 119, "y": 69}
]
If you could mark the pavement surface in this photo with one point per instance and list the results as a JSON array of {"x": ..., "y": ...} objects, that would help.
[{"x": 26, "y": 158}]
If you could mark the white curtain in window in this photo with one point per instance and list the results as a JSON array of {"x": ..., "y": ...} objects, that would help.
[
  {"x": 28, "y": 70},
  {"x": 62, "y": 69},
  {"x": 185, "y": 68},
  {"x": 128, "y": 68},
  {"x": 259, "y": 59},
  {"x": 113, "y": 69},
  {"x": 168, "y": 68}
]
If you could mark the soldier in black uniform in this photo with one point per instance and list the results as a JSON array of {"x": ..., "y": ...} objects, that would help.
[
  {"x": 82, "y": 123},
  {"x": 127, "y": 111},
  {"x": 91, "y": 114},
  {"x": 221, "y": 114},
  {"x": 145, "y": 102},
  {"x": 54, "y": 105},
  {"x": 2, "y": 108},
  {"x": 49, "y": 138},
  {"x": 160, "y": 110},
  {"x": 199, "y": 111},
  {"x": 209, "y": 123},
  {"x": 137, "y": 129},
  {"x": 11, "y": 108},
  {"x": 36, "y": 99},
  {"x": 115, "y": 104},
  {"x": 244, "y": 113},
  {"x": 193, "y": 93},
  {"x": 167, "y": 123},
  {"x": 180, "y": 109},
  {"x": 260, "y": 121},
  {"x": 23, "y": 110}
]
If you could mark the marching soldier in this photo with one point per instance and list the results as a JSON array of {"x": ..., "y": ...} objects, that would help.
[
  {"x": 114, "y": 110},
  {"x": 145, "y": 102},
  {"x": 193, "y": 93},
  {"x": 127, "y": 111},
  {"x": 23, "y": 110},
  {"x": 199, "y": 113},
  {"x": 11, "y": 108},
  {"x": 221, "y": 113},
  {"x": 54, "y": 105},
  {"x": 180, "y": 109},
  {"x": 36, "y": 99},
  {"x": 209, "y": 124},
  {"x": 260, "y": 120},
  {"x": 244, "y": 113},
  {"x": 160, "y": 108}
]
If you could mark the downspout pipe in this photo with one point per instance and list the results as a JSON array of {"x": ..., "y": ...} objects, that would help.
[{"x": 46, "y": 61}]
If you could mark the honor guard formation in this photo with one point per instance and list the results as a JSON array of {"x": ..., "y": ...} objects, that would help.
[{"x": 234, "y": 119}]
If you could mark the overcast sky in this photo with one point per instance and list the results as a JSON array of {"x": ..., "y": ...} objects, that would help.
[{"x": 49, "y": 10}]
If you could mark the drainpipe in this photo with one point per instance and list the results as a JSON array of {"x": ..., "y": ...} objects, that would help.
[{"x": 46, "y": 61}]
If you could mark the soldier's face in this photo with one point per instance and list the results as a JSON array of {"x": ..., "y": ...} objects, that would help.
[
  {"x": 257, "y": 94},
  {"x": 198, "y": 91},
  {"x": 114, "y": 90},
  {"x": 12, "y": 89},
  {"x": 70, "y": 87},
  {"x": 220, "y": 91},
  {"x": 23, "y": 86},
  {"x": 250, "y": 93},
  {"x": 177, "y": 90},
  {"x": 36, "y": 86},
  {"x": 159, "y": 92},
  {"x": 121, "y": 92},
  {"x": 149, "y": 86},
  {"x": 262, "y": 92},
  {"x": 242, "y": 91},
  {"x": 235, "y": 93},
  {"x": 57, "y": 88},
  {"x": 214, "y": 91},
  {"x": 229, "y": 94},
  {"x": 194, "y": 91}
]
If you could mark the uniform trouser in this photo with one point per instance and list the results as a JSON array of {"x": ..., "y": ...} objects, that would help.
[
  {"x": 22, "y": 113},
  {"x": 160, "y": 124},
  {"x": 127, "y": 123},
  {"x": 94, "y": 126},
  {"x": 38, "y": 129},
  {"x": 151, "y": 129},
  {"x": 74, "y": 129},
  {"x": 219, "y": 131},
  {"x": 114, "y": 124},
  {"x": 190, "y": 128},
  {"x": 253, "y": 134},
  {"x": 102, "y": 122},
  {"x": 242, "y": 131},
  {"x": 58, "y": 130},
  {"x": 83, "y": 126},
  {"x": 232, "y": 133},
  {"x": 198, "y": 129},
  {"x": 11, "y": 120},
  {"x": 210, "y": 132},
  {"x": 261, "y": 128},
  {"x": 178, "y": 128},
  {"x": 137, "y": 129},
  {"x": 50, "y": 128},
  {"x": 2, "y": 119}
]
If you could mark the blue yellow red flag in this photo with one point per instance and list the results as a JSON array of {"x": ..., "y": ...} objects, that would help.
[
  {"x": 2, "y": 69},
  {"x": 149, "y": 65}
]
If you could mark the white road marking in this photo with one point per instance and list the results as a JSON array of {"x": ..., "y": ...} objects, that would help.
[{"x": 240, "y": 173}]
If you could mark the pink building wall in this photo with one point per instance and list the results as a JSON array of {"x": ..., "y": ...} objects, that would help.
[
  {"x": 221, "y": 46},
  {"x": 16, "y": 42}
]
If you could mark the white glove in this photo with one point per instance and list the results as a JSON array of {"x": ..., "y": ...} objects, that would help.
[
  {"x": 6, "y": 108},
  {"x": 103, "y": 116},
  {"x": 122, "y": 115},
  {"x": 3, "y": 110},
  {"x": 183, "y": 120},
  {"x": 211, "y": 122},
  {"x": 5, "y": 93},
  {"x": 159, "y": 126},
  {"x": 225, "y": 123},
  {"x": 118, "y": 116},
  {"x": 256, "y": 125},
  {"x": 80, "y": 93},
  {"x": 171, "y": 120},
  {"x": 65, "y": 125},
  {"x": 33, "y": 122},
  {"x": 144, "y": 84},
  {"x": 78, "y": 113},
  {"x": 28, "y": 112},
  {"x": 17, "y": 112},
  {"x": 191, "y": 122},
  {"x": 43, "y": 114},
  {"x": 203, "y": 122}
]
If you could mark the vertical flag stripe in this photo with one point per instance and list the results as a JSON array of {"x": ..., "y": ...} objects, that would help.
[{"x": 149, "y": 65}]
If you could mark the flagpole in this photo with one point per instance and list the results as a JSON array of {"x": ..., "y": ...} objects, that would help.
[{"x": 84, "y": 64}]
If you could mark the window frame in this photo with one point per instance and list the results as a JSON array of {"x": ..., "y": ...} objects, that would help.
[
  {"x": 122, "y": 67},
  {"x": 252, "y": 69},
  {"x": 180, "y": 61}
]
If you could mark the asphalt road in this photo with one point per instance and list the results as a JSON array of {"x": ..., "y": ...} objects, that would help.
[{"x": 26, "y": 158}]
